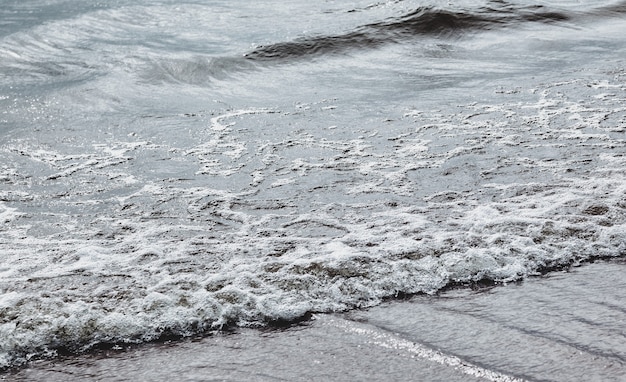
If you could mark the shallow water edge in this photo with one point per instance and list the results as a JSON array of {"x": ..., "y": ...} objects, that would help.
[{"x": 562, "y": 326}]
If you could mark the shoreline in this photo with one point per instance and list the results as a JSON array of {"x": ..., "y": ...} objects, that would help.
[{"x": 558, "y": 326}]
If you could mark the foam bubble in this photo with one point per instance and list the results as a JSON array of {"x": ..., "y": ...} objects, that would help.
[{"x": 8, "y": 214}]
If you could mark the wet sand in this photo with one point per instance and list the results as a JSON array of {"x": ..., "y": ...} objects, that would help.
[{"x": 564, "y": 326}]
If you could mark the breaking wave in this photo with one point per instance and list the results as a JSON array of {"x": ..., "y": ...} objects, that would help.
[{"x": 122, "y": 223}]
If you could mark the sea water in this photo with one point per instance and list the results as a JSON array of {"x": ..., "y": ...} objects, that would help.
[{"x": 173, "y": 168}]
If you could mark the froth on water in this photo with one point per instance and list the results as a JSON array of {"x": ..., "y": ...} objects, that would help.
[{"x": 168, "y": 170}]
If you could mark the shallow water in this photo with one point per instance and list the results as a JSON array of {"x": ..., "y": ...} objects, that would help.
[
  {"x": 171, "y": 168},
  {"x": 564, "y": 326}
]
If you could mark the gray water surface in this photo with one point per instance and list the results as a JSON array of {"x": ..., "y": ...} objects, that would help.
[{"x": 173, "y": 168}]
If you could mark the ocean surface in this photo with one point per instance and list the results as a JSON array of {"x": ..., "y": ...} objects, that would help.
[{"x": 170, "y": 169}]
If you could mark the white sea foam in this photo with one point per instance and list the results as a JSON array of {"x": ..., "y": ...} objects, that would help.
[
  {"x": 242, "y": 258},
  {"x": 7, "y": 214},
  {"x": 128, "y": 223}
]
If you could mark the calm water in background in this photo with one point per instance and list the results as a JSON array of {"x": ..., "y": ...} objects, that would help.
[{"x": 168, "y": 168}]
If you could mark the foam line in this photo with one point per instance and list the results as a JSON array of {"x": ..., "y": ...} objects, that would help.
[{"x": 378, "y": 337}]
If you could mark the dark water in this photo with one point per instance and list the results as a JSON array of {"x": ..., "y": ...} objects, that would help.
[{"x": 169, "y": 168}]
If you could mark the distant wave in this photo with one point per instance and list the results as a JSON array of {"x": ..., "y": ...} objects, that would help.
[{"x": 421, "y": 22}]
